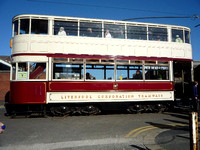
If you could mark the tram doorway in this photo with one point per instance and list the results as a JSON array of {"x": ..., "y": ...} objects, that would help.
[{"x": 183, "y": 77}]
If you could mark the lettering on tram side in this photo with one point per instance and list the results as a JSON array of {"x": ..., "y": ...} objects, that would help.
[{"x": 86, "y": 96}]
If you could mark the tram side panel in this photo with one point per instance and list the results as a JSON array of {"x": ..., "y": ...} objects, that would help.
[
  {"x": 79, "y": 92},
  {"x": 28, "y": 93}
]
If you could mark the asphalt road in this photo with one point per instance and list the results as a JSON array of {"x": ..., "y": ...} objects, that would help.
[{"x": 101, "y": 132}]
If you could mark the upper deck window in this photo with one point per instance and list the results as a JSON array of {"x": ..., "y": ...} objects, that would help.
[
  {"x": 66, "y": 27},
  {"x": 16, "y": 27},
  {"x": 157, "y": 34},
  {"x": 39, "y": 26},
  {"x": 137, "y": 32},
  {"x": 91, "y": 29},
  {"x": 187, "y": 37},
  {"x": 114, "y": 31},
  {"x": 177, "y": 35},
  {"x": 24, "y": 26}
]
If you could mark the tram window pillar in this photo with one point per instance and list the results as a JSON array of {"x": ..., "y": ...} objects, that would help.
[
  {"x": 50, "y": 27},
  {"x": 169, "y": 34}
]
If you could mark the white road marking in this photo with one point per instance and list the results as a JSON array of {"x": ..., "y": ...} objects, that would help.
[{"x": 72, "y": 144}]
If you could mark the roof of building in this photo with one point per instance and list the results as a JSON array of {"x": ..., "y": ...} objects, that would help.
[
  {"x": 5, "y": 58},
  {"x": 5, "y": 63},
  {"x": 196, "y": 63}
]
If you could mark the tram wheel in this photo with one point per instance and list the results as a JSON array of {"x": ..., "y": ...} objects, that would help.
[
  {"x": 60, "y": 111},
  {"x": 135, "y": 109},
  {"x": 90, "y": 110}
]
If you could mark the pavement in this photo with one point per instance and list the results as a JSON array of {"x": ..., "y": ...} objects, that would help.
[{"x": 151, "y": 137}]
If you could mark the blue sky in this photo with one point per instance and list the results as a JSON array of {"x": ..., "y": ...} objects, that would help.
[{"x": 103, "y": 9}]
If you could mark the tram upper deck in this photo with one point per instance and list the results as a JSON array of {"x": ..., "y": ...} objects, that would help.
[{"x": 42, "y": 35}]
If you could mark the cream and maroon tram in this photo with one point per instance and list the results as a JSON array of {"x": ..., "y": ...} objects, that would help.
[{"x": 67, "y": 65}]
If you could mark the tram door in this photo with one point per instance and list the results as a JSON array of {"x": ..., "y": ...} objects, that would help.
[{"x": 183, "y": 73}]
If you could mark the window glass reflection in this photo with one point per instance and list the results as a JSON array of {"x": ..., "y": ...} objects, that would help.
[
  {"x": 37, "y": 70},
  {"x": 16, "y": 27},
  {"x": 99, "y": 72},
  {"x": 13, "y": 71},
  {"x": 177, "y": 36},
  {"x": 39, "y": 26},
  {"x": 129, "y": 72},
  {"x": 137, "y": 32},
  {"x": 157, "y": 34},
  {"x": 187, "y": 37},
  {"x": 69, "y": 27},
  {"x": 114, "y": 31},
  {"x": 67, "y": 71},
  {"x": 90, "y": 29},
  {"x": 22, "y": 73},
  {"x": 24, "y": 26},
  {"x": 156, "y": 72}
]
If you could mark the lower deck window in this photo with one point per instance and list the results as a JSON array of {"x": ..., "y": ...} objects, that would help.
[
  {"x": 67, "y": 71},
  {"x": 13, "y": 71},
  {"x": 37, "y": 70},
  {"x": 99, "y": 72},
  {"x": 156, "y": 72},
  {"x": 129, "y": 72},
  {"x": 22, "y": 71}
]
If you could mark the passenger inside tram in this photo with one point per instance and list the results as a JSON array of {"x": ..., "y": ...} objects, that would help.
[
  {"x": 158, "y": 38},
  {"x": 90, "y": 33},
  {"x": 62, "y": 32},
  {"x": 89, "y": 76},
  {"x": 138, "y": 75},
  {"x": 121, "y": 35},
  {"x": 107, "y": 34},
  {"x": 178, "y": 39}
]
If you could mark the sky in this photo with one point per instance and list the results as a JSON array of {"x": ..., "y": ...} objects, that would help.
[{"x": 104, "y": 9}]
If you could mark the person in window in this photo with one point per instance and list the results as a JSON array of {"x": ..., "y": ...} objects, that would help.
[
  {"x": 178, "y": 39},
  {"x": 62, "y": 32},
  {"x": 90, "y": 33},
  {"x": 88, "y": 76},
  {"x": 107, "y": 34},
  {"x": 138, "y": 75},
  {"x": 158, "y": 38},
  {"x": 121, "y": 35}
]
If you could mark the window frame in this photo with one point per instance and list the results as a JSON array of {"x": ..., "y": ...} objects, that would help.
[
  {"x": 103, "y": 64},
  {"x": 157, "y": 63},
  {"x": 103, "y": 23},
  {"x": 28, "y": 71},
  {"x": 78, "y": 61}
]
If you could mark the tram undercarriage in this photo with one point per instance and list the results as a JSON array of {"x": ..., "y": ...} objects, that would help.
[{"x": 84, "y": 108}]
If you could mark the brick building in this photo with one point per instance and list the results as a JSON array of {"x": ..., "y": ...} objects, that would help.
[{"x": 4, "y": 76}]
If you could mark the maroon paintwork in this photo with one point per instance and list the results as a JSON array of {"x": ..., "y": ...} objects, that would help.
[
  {"x": 100, "y": 56},
  {"x": 109, "y": 86},
  {"x": 35, "y": 92},
  {"x": 28, "y": 92}
]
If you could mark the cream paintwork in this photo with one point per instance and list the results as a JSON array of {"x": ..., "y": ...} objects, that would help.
[{"x": 99, "y": 46}]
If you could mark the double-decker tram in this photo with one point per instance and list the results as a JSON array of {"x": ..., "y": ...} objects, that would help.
[{"x": 66, "y": 65}]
